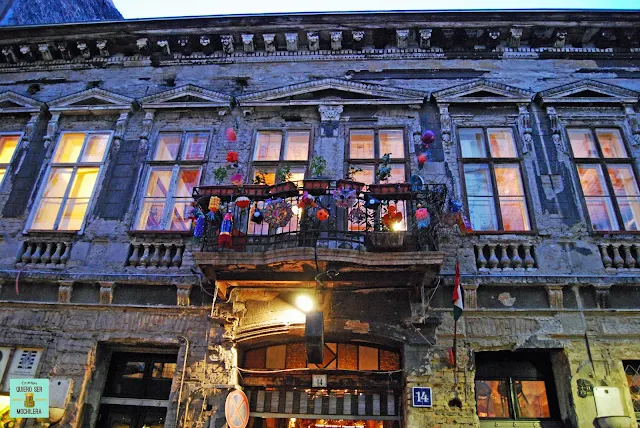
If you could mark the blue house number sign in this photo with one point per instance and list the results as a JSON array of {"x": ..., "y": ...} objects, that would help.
[{"x": 421, "y": 396}]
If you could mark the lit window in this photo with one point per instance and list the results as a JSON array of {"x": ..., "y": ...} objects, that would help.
[
  {"x": 607, "y": 178},
  {"x": 173, "y": 172},
  {"x": 71, "y": 181},
  {"x": 493, "y": 180},
  {"x": 275, "y": 151},
  {"x": 367, "y": 146},
  {"x": 632, "y": 370},
  {"x": 8, "y": 146}
]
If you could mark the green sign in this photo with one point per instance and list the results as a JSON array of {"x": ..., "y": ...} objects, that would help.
[{"x": 29, "y": 398}]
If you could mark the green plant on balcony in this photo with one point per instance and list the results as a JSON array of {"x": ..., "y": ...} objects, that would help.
[
  {"x": 384, "y": 169},
  {"x": 220, "y": 174},
  {"x": 352, "y": 171},
  {"x": 261, "y": 177},
  {"x": 284, "y": 174}
]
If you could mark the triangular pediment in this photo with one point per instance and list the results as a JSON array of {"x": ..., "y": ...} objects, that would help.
[
  {"x": 590, "y": 92},
  {"x": 186, "y": 96},
  {"x": 332, "y": 91},
  {"x": 483, "y": 91},
  {"x": 10, "y": 102},
  {"x": 93, "y": 100}
]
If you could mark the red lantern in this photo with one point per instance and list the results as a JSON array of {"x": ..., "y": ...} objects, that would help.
[
  {"x": 322, "y": 214},
  {"x": 422, "y": 158},
  {"x": 243, "y": 202},
  {"x": 232, "y": 157},
  {"x": 231, "y": 135}
]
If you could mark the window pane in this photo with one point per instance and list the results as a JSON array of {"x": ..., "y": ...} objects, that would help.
[
  {"x": 297, "y": 175},
  {"x": 502, "y": 143},
  {"x": 47, "y": 214},
  {"x": 531, "y": 398},
  {"x": 492, "y": 398},
  {"x": 623, "y": 180},
  {"x": 59, "y": 179},
  {"x": 133, "y": 370},
  {"x": 84, "y": 182},
  {"x": 195, "y": 146},
  {"x": 601, "y": 213},
  {"x": 482, "y": 211},
  {"x": 163, "y": 370},
  {"x": 361, "y": 144},
  {"x": 73, "y": 214},
  {"x": 471, "y": 143},
  {"x": 630, "y": 211},
  {"x": 582, "y": 143},
  {"x": 367, "y": 358},
  {"x": 478, "y": 180},
  {"x": 168, "y": 146},
  {"x": 389, "y": 360},
  {"x": 187, "y": 180},
  {"x": 69, "y": 148},
  {"x": 611, "y": 143},
  {"x": 592, "y": 180},
  {"x": 392, "y": 141},
  {"x": 297, "y": 145},
  {"x": 8, "y": 144},
  {"x": 268, "y": 146},
  {"x": 397, "y": 174},
  {"x": 366, "y": 176},
  {"x": 151, "y": 215},
  {"x": 514, "y": 213},
  {"x": 508, "y": 180},
  {"x": 159, "y": 182},
  {"x": 96, "y": 147},
  {"x": 269, "y": 174},
  {"x": 180, "y": 214},
  {"x": 347, "y": 356}
]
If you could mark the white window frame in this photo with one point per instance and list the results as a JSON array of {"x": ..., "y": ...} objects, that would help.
[
  {"x": 43, "y": 184},
  {"x": 169, "y": 165},
  {"x": 278, "y": 164},
  {"x": 8, "y": 169}
]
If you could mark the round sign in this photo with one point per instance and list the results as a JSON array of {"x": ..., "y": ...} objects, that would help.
[{"x": 236, "y": 409}]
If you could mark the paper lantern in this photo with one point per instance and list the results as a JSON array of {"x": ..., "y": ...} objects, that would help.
[
  {"x": 231, "y": 135},
  {"x": 322, "y": 214},
  {"x": 423, "y": 219},
  {"x": 371, "y": 203},
  {"x": 198, "y": 230},
  {"x": 422, "y": 159},
  {"x": 306, "y": 201},
  {"x": 236, "y": 179},
  {"x": 214, "y": 204},
  {"x": 455, "y": 206},
  {"x": 427, "y": 137},
  {"x": 243, "y": 202}
]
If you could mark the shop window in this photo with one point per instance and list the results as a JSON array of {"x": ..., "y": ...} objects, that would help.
[
  {"x": 276, "y": 151},
  {"x": 15, "y": 363},
  {"x": 632, "y": 370},
  {"x": 366, "y": 148},
  {"x": 174, "y": 170},
  {"x": 515, "y": 386},
  {"x": 493, "y": 180},
  {"x": 70, "y": 181},
  {"x": 607, "y": 178},
  {"x": 8, "y": 147}
]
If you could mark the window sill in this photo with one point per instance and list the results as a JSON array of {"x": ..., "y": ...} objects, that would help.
[
  {"x": 499, "y": 232},
  {"x": 615, "y": 233},
  {"x": 57, "y": 233},
  {"x": 159, "y": 233}
]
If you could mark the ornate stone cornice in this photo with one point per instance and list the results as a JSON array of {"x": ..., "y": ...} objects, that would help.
[
  {"x": 378, "y": 94},
  {"x": 487, "y": 92},
  {"x": 94, "y": 100},
  {"x": 11, "y": 102},
  {"x": 194, "y": 97},
  {"x": 589, "y": 91}
]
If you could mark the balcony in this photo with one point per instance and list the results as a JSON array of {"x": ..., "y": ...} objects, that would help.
[{"x": 332, "y": 225}]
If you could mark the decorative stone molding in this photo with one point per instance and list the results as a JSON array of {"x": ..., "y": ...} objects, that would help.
[
  {"x": 16, "y": 103},
  {"x": 63, "y": 48},
  {"x": 555, "y": 295},
  {"x": 143, "y": 45},
  {"x": 603, "y": 293},
  {"x": 106, "y": 292},
  {"x": 470, "y": 295},
  {"x": 121, "y": 126},
  {"x": 621, "y": 255},
  {"x": 524, "y": 123},
  {"x": 607, "y": 94},
  {"x": 183, "y": 294},
  {"x": 561, "y": 38},
  {"x": 185, "y": 45},
  {"x": 102, "y": 47},
  {"x": 402, "y": 39},
  {"x": 84, "y": 102},
  {"x": 227, "y": 43},
  {"x": 501, "y": 93},
  {"x": 292, "y": 41},
  {"x": 358, "y": 36},
  {"x": 330, "y": 113},
  {"x": 164, "y": 46},
  {"x": 50, "y": 252},
  {"x": 205, "y": 41},
  {"x": 52, "y": 129},
  {"x": 45, "y": 51},
  {"x": 173, "y": 98},
  {"x": 634, "y": 123},
  {"x": 514, "y": 39},
  {"x": 247, "y": 43},
  {"x": 336, "y": 40},
  {"x": 153, "y": 253},
  {"x": 505, "y": 257},
  {"x": 64, "y": 291},
  {"x": 556, "y": 132},
  {"x": 425, "y": 38},
  {"x": 25, "y": 50},
  {"x": 269, "y": 42},
  {"x": 147, "y": 124},
  {"x": 30, "y": 130},
  {"x": 313, "y": 39},
  {"x": 85, "y": 52},
  {"x": 445, "y": 122},
  {"x": 9, "y": 54}
]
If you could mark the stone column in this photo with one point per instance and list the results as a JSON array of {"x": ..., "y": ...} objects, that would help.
[{"x": 329, "y": 143}]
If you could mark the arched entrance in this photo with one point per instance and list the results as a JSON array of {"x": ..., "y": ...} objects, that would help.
[{"x": 357, "y": 385}]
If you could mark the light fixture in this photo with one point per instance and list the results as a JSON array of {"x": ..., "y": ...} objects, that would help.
[
  {"x": 304, "y": 303},
  {"x": 397, "y": 226}
]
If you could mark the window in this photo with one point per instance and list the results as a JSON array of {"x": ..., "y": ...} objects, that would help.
[
  {"x": 493, "y": 180},
  {"x": 607, "y": 178},
  {"x": 632, "y": 370},
  {"x": 515, "y": 386},
  {"x": 145, "y": 377},
  {"x": 8, "y": 146},
  {"x": 275, "y": 150},
  {"x": 174, "y": 170},
  {"x": 367, "y": 146},
  {"x": 71, "y": 181}
]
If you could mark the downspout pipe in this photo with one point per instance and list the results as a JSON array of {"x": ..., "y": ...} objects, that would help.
[{"x": 184, "y": 370}]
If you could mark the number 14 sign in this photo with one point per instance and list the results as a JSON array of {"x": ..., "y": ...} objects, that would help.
[{"x": 421, "y": 396}]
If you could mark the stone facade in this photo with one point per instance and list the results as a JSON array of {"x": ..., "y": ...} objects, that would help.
[{"x": 562, "y": 288}]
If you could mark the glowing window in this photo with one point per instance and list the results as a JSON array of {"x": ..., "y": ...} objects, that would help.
[
  {"x": 366, "y": 148},
  {"x": 8, "y": 147}
]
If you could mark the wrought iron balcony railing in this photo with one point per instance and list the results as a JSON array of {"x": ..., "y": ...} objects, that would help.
[{"x": 328, "y": 214}]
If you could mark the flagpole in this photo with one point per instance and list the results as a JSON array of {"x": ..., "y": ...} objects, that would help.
[{"x": 455, "y": 347}]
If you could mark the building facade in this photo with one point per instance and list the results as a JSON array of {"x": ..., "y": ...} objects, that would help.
[{"x": 171, "y": 189}]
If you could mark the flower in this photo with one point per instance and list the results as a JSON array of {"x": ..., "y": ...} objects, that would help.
[
  {"x": 232, "y": 157},
  {"x": 236, "y": 179}
]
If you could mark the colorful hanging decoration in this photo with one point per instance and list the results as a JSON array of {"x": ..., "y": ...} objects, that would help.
[
  {"x": 194, "y": 209},
  {"x": 277, "y": 212},
  {"x": 232, "y": 158},
  {"x": 224, "y": 239},
  {"x": 214, "y": 204},
  {"x": 427, "y": 137},
  {"x": 322, "y": 214},
  {"x": 344, "y": 197},
  {"x": 257, "y": 216},
  {"x": 422, "y": 159},
  {"x": 231, "y": 135},
  {"x": 306, "y": 201},
  {"x": 358, "y": 215},
  {"x": 198, "y": 230},
  {"x": 455, "y": 206},
  {"x": 371, "y": 203},
  {"x": 463, "y": 222},
  {"x": 423, "y": 219},
  {"x": 236, "y": 179},
  {"x": 392, "y": 217},
  {"x": 243, "y": 202}
]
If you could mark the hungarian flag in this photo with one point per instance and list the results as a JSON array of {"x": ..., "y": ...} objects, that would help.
[{"x": 456, "y": 299}]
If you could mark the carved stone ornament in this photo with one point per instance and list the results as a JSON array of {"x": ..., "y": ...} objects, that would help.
[
  {"x": 185, "y": 45},
  {"x": 524, "y": 119},
  {"x": 561, "y": 38},
  {"x": 164, "y": 45},
  {"x": 514, "y": 40},
  {"x": 102, "y": 47},
  {"x": 45, "y": 51},
  {"x": 227, "y": 43},
  {"x": 121, "y": 126},
  {"x": 402, "y": 39},
  {"x": 52, "y": 129},
  {"x": 358, "y": 36},
  {"x": 445, "y": 123},
  {"x": 64, "y": 291},
  {"x": 269, "y": 42},
  {"x": 556, "y": 134},
  {"x": 314, "y": 41},
  {"x": 470, "y": 295},
  {"x": 330, "y": 113},
  {"x": 106, "y": 292},
  {"x": 30, "y": 129},
  {"x": 205, "y": 41},
  {"x": 555, "y": 295},
  {"x": 25, "y": 50},
  {"x": 147, "y": 124},
  {"x": 247, "y": 43},
  {"x": 336, "y": 40},
  {"x": 84, "y": 50},
  {"x": 634, "y": 123},
  {"x": 425, "y": 38},
  {"x": 292, "y": 41},
  {"x": 142, "y": 43},
  {"x": 9, "y": 54},
  {"x": 183, "y": 294}
]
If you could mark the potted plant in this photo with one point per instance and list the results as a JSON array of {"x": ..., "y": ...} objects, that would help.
[
  {"x": 284, "y": 187},
  {"x": 219, "y": 175},
  {"x": 258, "y": 190},
  {"x": 348, "y": 182},
  {"x": 318, "y": 185},
  {"x": 388, "y": 190}
]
